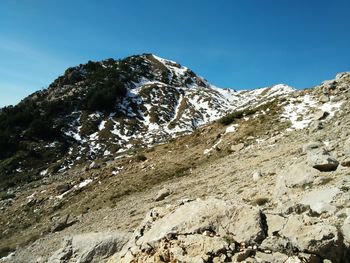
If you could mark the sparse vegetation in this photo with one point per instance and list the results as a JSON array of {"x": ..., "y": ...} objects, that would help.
[{"x": 260, "y": 201}]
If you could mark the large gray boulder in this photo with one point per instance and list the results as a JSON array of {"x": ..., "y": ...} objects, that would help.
[{"x": 89, "y": 247}]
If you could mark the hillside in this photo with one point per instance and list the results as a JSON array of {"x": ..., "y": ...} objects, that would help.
[{"x": 174, "y": 169}]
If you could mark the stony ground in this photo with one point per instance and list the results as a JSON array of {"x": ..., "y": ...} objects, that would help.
[{"x": 270, "y": 171}]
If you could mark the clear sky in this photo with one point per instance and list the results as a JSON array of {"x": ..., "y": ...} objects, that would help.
[{"x": 241, "y": 44}]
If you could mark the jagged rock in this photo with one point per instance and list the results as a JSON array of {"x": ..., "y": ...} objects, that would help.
[
  {"x": 63, "y": 223},
  {"x": 201, "y": 224},
  {"x": 94, "y": 165},
  {"x": 321, "y": 160},
  {"x": 63, "y": 254},
  {"x": 345, "y": 161},
  {"x": 275, "y": 223},
  {"x": 320, "y": 115},
  {"x": 318, "y": 238},
  {"x": 237, "y": 147},
  {"x": 89, "y": 247},
  {"x": 162, "y": 194}
]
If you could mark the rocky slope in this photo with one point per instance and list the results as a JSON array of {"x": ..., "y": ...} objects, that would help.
[{"x": 267, "y": 183}]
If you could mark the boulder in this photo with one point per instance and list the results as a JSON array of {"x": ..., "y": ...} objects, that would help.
[
  {"x": 162, "y": 194},
  {"x": 321, "y": 160},
  {"x": 317, "y": 238},
  {"x": 320, "y": 115},
  {"x": 89, "y": 247},
  {"x": 237, "y": 147},
  {"x": 320, "y": 200}
]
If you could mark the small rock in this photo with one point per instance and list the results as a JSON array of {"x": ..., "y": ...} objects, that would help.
[
  {"x": 162, "y": 194},
  {"x": 63, "y": 188},
  {"x": 256, "y": 176},
  {"x": 320, "y": 115},
  {"x": 311, "y": 146},
  {"x": 237, "y": 147},
  {"x": 324, "y": 98}
]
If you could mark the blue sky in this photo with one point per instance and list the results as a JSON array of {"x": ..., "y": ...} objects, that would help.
[{"x": 241, "y": 44}]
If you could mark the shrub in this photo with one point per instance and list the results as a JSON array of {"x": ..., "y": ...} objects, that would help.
[
  {"x": 228, "y": 119},
  {"x": 140, "y": 157}
]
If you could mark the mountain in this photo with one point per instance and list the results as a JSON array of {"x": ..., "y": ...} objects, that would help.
[
  {"x": 102, "y": 109},
  {"x": 98, "y": 168}
]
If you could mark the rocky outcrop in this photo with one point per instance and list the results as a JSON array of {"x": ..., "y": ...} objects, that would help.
[
  {"x": 214, "y": 230},
  {"x": 89, "y": 247}
]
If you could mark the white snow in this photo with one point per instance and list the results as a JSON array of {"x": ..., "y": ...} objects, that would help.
[
  {"x": 231, "y": 128},
  {"x": 44, "y": 172},
  {"x": 298, "y": 112},
  {"x": 101, "y": 126},
  {"x": 83, "y": 183}
]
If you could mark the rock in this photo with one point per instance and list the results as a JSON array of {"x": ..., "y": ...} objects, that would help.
[
  {"x": 315, "y": 126},
  {"x": 324, "y": 98},
  {"x": 346, "y": 230},
  {"x": 320, "y": 200},
  {"x": 321, "y": 160},
  {"x": 275, "y": 223},
  {"x": 296, "y": 176},
  {"x": 256, "y": 176},
  {"x": 271, "y": 258},
  {"x": 63, "y": 188},
  {"x": 162, "y": 194},
  {"x": 89, "y": 247},
  {"x": 312, "y": 146},
  {"x": 201, "y": 226},
  {"x": 243, "y": 255},
  {"x": 237, "y": 147},
  {"x": 94, "y": 165},
  {"x": 320, "y": 115},
  {"x": 345, "y": 161},
  {"x": 318, "y": 238},
  {"x": 63, "y": 254},
  {"x": 63, "y": 223}
]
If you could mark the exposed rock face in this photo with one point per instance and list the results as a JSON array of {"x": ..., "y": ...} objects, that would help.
[{"x": 89, "y": 247}]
